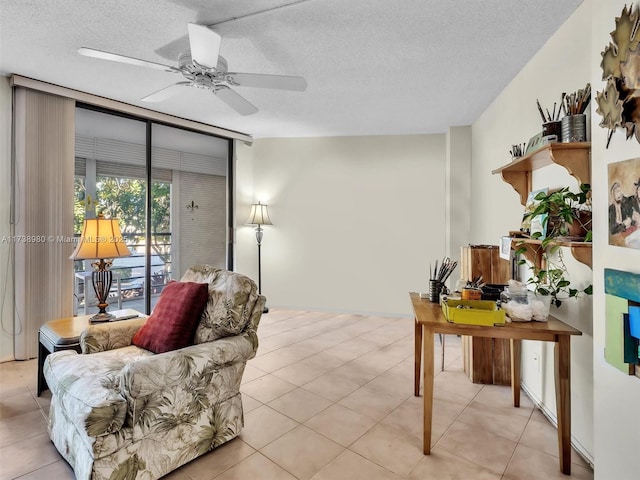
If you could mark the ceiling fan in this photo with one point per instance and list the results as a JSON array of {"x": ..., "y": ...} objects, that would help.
[{"x": 204, "y": 68}]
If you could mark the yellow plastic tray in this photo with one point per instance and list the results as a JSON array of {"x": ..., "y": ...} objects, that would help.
[{"x": 481, "y": 312}]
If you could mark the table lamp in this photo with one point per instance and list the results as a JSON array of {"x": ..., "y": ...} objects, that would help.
[
  {"x": 101, "y": 239},
  {"x": 259, "y": 216}
]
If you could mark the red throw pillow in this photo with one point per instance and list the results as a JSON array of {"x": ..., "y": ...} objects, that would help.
[{"x": 175, "y": 317}]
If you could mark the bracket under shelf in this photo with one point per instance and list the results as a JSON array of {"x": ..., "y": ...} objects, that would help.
[
  {"x": 574, "y": 157},
  {"x": 581, "y": 251}
]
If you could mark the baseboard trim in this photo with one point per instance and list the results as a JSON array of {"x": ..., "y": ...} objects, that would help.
[{"x": 551, "y": 416}]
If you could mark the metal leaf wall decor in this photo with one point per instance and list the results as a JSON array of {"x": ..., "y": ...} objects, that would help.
[{"x": 619, "y": 102}]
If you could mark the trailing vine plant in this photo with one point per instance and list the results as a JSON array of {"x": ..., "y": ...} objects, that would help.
[{"x": 552, "y": 279}]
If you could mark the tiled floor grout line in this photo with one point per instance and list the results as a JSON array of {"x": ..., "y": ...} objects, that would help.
[
  {"x": 329, "y": 371},
  {"x": 312, "y": 354},
  {"x": 327, "y": 318},
  {"x": 518, "y": 443},
  {"x": 377, "y": 463},
  {"x": 322, "y": 333},
  {"x": 281, "y": 466}
]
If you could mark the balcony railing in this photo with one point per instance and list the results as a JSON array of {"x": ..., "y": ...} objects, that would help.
[{"x": 132, "y": 269}]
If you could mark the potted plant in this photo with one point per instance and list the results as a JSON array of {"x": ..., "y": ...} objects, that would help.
[
  {"x": 565, "y": 214},
  {"x": 551, "y": 279}
]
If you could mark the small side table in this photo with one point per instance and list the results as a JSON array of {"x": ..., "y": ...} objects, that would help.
[{"x": 64, "y": 334}]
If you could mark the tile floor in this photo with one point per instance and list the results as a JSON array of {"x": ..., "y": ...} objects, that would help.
[{"x": 330, "y": 397}]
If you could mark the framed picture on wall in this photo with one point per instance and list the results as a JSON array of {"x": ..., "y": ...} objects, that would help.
[
  {"x": 530, "y": 206},
  {"x": 505, "y": 248},
  {"x": 539, "y": 226},
  {"x": 624, "y": 203},
  {"x": 534, "y": 144}
]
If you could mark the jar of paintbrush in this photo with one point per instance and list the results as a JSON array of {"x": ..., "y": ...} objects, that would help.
[
  {"x": 574, "y": 123},
  {"x": 435, "y": 287},
  {"x": 437, "y": 278},
  {"x": 550, "y": 123}
]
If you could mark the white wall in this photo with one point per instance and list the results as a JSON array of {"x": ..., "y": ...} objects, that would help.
[
  {"x": 6, "y": 274},
  {"x": 562, "y": 65},
  {"x": 245, "y": 255},
  {"x": 356, "y": 220},
  {"x": 458, "y": 173},
  {"x": 616, "y": 395}
]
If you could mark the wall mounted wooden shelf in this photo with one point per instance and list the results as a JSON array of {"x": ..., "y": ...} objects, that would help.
[
  {"x": 575, "y": 157},
  {"x": 581, "y": 251}
]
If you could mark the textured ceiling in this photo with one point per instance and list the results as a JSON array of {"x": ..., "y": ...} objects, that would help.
[{"x": 372, "y": 66}]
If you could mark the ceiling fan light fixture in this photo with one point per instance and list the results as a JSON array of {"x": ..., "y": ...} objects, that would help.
[
  {"x": 203, "y": 81},
  {"x": 203, "y": 68}
]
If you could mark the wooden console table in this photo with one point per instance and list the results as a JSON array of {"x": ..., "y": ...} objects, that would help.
[{"x": 430, "y": 320}]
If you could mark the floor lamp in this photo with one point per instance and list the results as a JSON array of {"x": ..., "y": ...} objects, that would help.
[
  {"x": 259, "y": 216},
  {"x": 101, "y": 239}
]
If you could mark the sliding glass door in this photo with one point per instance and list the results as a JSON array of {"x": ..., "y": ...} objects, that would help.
[
  {"x": 168, "y": 188},
  {"x": 198, "y": 216},
  {"x": 111, "y": 179}
]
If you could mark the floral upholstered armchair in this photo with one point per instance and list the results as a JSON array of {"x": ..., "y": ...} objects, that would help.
[{"x": 119, "y": 411}]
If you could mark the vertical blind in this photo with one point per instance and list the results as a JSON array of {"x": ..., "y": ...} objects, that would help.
[
  {"x": 201, "y": 236},
  {"x": 43, "y": 197}
]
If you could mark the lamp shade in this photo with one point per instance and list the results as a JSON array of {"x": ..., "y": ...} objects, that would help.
[
  {"x": 259, "y": 215},
  {"x": 101, "y": 238}
]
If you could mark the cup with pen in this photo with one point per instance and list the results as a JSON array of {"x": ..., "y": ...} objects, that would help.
[
  {"x": 437, "y": 278},
  {"x": 550, "y": 123}
]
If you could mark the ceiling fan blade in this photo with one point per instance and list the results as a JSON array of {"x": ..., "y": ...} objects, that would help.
[
  {"x": 235, "y": 101},
  {"x": 259, "y": 80},
  {"x": 90, "y": 52},
  {"x": 165, "y": 92},
  {"x": 205, "y": 45}
]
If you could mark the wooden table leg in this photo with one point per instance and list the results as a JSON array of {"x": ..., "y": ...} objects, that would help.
[
  {"x": 516, "y": 349},
  {"x": 417, "y": 358},
  {"x": 563, "y": 400},
  {"x": 427, "y": 353}
]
